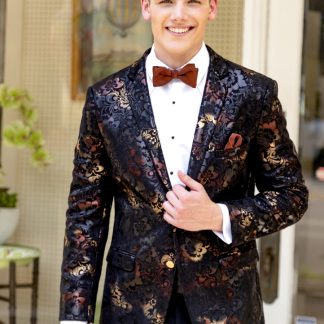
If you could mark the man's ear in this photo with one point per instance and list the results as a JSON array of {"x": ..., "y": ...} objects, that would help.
[
  {"x": 146, "y": 13},
  {"x": 213, "y": 5}
]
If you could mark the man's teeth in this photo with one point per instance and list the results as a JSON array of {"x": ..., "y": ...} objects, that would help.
[{"x": 179, "y": 30}]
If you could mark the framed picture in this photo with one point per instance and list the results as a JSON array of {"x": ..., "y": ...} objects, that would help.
[
  {"x": 107, "y": 36},
  {"x": 2, "y": 37}
]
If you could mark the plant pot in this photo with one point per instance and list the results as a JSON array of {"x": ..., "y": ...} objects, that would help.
[{"x": 8, "y": 222}]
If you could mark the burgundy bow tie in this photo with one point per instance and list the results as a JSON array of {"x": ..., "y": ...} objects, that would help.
[{"x": 188, "y": 75}]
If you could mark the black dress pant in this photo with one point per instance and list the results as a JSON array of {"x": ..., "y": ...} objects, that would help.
[{"x": 177, "y": 310}]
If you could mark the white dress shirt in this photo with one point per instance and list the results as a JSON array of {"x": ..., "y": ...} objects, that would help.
[{"x": 176, "y": 107}]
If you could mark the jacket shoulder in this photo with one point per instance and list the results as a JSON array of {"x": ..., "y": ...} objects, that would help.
[
  {"x": 126, "y": 74},
  {"x": 229, "y": 69},
  {"x": 249, "y": 73}
]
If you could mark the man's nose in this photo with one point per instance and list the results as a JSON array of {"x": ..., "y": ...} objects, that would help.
[{"x": 179, "y": 11}]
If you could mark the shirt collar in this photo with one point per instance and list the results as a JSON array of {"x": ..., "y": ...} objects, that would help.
[{"x": 201, "y": 61}]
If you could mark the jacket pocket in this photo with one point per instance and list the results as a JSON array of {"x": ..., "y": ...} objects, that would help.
[
  {"x": 121, "y": 259},
  {"x": 232, "y": 153},
  {"x": 239, "y": 260}
]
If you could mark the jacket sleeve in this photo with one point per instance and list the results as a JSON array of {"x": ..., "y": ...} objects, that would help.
[
  {"x": 282, "y": 198},
  {"x": 87, "y": 219}
]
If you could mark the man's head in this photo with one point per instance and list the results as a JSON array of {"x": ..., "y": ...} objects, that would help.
[{"x": 178, "y": 27}]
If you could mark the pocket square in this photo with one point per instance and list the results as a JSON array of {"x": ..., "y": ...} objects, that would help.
[{"x": 234, "y": 141}]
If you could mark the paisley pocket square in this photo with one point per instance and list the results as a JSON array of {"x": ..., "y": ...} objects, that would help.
[{"x": 234, "y": 141}]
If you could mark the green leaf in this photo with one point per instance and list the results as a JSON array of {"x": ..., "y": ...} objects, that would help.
[
  {"x": 7, "y": 199},
  {"x": 22, "y": 133},
  {"x": 29, "y": 115},
  {"x": 40, "y": 157},
  {"x": 16, "y": 134},
  {"x": 35, "y": 140}
]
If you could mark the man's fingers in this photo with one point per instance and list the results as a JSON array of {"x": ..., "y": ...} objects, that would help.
[
  {"x": 179, "y": 191},
  {"x": 189, "y": 182},
  {"x": 169, "y": 208},
  {"x": 173, "y": 198},
  {"x": 168, "y": 218}
]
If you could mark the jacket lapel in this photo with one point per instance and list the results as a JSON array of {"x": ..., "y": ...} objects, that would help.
[
  {"x": 141, "y": 105},
  {"x": 212, "y": 104}
]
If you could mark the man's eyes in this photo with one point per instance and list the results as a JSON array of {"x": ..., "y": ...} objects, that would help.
[{"x": 171, "y": 1}]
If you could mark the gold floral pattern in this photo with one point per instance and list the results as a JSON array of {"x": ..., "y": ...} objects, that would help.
[
  {"x": 151, "y": 136},
  {"x": 194, "y": 252},
  {"x": 119, "y": 300},
  {"x": 240, "y": 139}
]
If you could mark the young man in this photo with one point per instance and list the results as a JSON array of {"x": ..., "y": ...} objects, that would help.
[{"x": 179, "y": 150}]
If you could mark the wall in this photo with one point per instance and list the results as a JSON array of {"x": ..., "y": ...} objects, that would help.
[
  {"x": 12, "y": 76},
  {"x": 40, "y": 55},
  {"x": 43, "y": 62}
]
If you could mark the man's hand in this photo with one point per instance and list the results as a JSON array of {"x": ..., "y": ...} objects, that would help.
[{"x": 192, "y": 210}]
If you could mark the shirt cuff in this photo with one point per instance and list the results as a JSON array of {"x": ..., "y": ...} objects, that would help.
[
  {"x": 226, "y": 234},
  {"x": 73, "y": 322}
]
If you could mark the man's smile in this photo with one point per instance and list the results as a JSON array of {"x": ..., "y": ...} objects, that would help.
[{"x": 179, "y": 30}]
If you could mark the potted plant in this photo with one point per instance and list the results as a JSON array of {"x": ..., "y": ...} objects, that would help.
[
  {"x": 9, "y": 214},
  {"x": 21, "y": 133}
]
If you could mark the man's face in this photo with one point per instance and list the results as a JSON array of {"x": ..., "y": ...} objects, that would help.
[{"x": 178, "y": 26}]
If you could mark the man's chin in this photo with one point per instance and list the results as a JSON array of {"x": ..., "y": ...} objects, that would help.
[{"x": 179, "y": 51}]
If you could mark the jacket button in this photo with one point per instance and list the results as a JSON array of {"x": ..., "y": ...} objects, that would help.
[
  {"x": 167, "y": 261},
  {"x": 170, "y": 264}
]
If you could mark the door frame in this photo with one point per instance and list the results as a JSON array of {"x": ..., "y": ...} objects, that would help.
[{"x": 272, "y": 44}]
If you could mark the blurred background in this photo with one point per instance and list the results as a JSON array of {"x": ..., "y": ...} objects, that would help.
[{"x": 55, "y": 49}]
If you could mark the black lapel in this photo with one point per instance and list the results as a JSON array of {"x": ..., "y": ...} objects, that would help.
[
  {"x": 141, "y": 106},
  {"x": 212, "y": 104}
]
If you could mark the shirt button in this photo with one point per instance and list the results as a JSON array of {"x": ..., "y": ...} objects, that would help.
[
  {"x": 173, "y": 102},
  {"x": 174, "y": 230},
  {"x": 171, "y": 172},
  {"x": 172, "y": 137}
]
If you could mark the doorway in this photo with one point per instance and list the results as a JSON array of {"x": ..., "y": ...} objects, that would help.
[{"x": 309, "y": 232}]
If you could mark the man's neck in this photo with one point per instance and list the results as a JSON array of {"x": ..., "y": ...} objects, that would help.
[{"x": 175, "y": 61}]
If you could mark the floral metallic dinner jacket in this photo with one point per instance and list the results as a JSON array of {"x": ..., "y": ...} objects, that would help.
[{"x": 240, "y": 139}]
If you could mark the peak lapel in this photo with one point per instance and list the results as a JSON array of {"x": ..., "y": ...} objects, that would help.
[
  {"x": 211, "y": 106},
  {"x": 142, "y": 108}
]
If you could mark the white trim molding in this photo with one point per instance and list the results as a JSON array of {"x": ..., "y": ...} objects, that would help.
[
  {"x": 255, "y": 34},
  {"x": 273, "y": 37}
]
